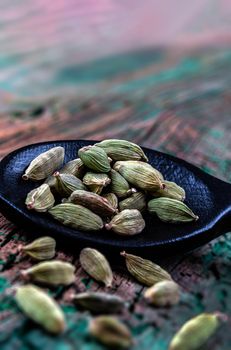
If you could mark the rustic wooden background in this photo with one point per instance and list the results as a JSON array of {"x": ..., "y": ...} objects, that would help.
[{"x": 175, "y": 99}]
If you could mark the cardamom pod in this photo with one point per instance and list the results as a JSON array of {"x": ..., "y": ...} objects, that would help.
[
  {"x": 40, "y": 249},
  {"x": 41, "y": 308},
  {"x": 52, "y": 273},
  {"x": 171, "y": 190},
  {"x": 100, "y": 179},
  {"x": 122, "y": 150},
  {"x": 67, "y": 183},
  {"x": 171, "y": 210},
  {"x": 96, "y": 265},
  {"x": 92, "y": 201},
  {"x": 112, "y": 199},
  {"x": 77, "y": 217},
  {"x": 145, "y": 271},
  {"x": 45, "y": 164},
  {"x": 40, "y": 199},
  {"x": 127, "y": 223},
  {"x": 163, "y": 293},
  {"x": 74, "y": 167},
  {"x": 119, "y": 185},
  {"x": 135, "y": 201},
  {"x": 95, "y": 158},
  {"x": 197, "y": 331},
  {"x": 97, "y": 302},
  {"x": 140, "y": 174},
  {"x": 110, "y": 332}
]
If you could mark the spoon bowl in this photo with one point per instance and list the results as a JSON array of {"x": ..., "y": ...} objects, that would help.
[{"x": 208, "y": 197}]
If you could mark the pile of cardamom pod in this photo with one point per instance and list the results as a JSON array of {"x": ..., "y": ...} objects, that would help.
[
  {"x": 109, "y": 186},
  {"x": 162, "y": 291}
]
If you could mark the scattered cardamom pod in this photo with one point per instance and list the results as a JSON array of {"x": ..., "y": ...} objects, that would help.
[
  {"x": 92, "y": 201},
  {"x": 97, "y": 302},
  {"x": 163, "y": 293},
  {"x": 95, "y": 158},
  {"x": 112, "y": 199},
  {"x": 100, "y": 179},
  {"x": 40, "y": 249},
  {"x": 145, "y": 271},
  {"x": 96, "y": 265},
  {"x": 122, "y": 150},
  {"x": 127, "y": 223},
  {"x": 74, "y": 167},
  {"x": 111, "y": 332},
  {"x": 140, "y": 174},
  {"x": 76, "y": 216},
  {"x": 45, "y": 164},
  {"x": 119, "y": 185},
  {"x": 135, "y": 201},
  {"x": 171, "y": 210},
  {"x": 197, "y": 331},
  {"x": 171, "y": 190},
  {"x": 40, "y": 199},
  {"x": 41, "y": 308},
  {"x": 67, "y": 183},
  {"x": 52, "y": 273}
]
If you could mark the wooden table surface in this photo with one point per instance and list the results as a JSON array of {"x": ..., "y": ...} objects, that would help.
[{"x": 173, "y": 100}]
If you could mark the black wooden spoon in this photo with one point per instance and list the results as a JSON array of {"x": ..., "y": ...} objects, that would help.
[{"x": 207, "y": 196}]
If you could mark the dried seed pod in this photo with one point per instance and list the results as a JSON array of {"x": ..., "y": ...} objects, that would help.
[
  {"x": 110, "y": 332},
  {"x": 171, "y": 210},
  {"x": 40, "y": 249},
  {"x": 145, "y": 271},
  {"x": 40, "y": 199},
  {"x": 164, "y": 293},
  {"x": 171, "y": 190},
  {"x": 92, "y": 201},
  {"x": 76, "y": 216},
  {"x": 45, "y": 164},
  {"x": 119, "y": 185},
  {"x": 41, "y": 308},
  {"x": 135, "y": 201},
  {"x": 140, "y": 174},
  {"x": 67, "y": 183},
  {"x": 122, "y": 150},
  {"x": 127, "y": 223},
  {"x": 99, "y": 179},
  {"x": 97, "y": 302},
  {"x": 52, "y": 273},
  {"x": 96, "y": 265},
  {"x": 197, "y": 331},
  {"x": 74, "y": 167},
  {"x": 95, "y": 158},
  {"x": 112, "y": 199}
]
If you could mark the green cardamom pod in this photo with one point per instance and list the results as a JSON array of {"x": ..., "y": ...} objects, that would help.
[
  {"x": 171, "y": 210},
  {"x": 98, "y": 302},
  {"x": 135, "y": 201},
  {"x": 171, "y": 190},
  {"x": 40, "y": 249},
  {"x": 45, "y": 164},
  {"x": 40, "y": 199},
  {"x": 112, "y": 199},
  {"x": 164, "y": 293},
  {"x": 100, "y": 179},
  {"x": 197, "y": 331},
  {"x": 145, "y": 271},
  {"x": 122, "y": 150},
  {"x": 119, "y": 185},
  {"x": 77, "y": 217},
  {"x": 92, "y": 201},
  {"x": 140, "y": 174},
  {"x": 127, "y": 223},
  {"x": 95, "y": 158},
  {"x": 41, "y": 308},
  {"x": 74, "y": 167},
  {"x": 67, "y": 183},
  {"x": 52, "y": 273},
  {"x": 110, "y": 332},
  {"x": 96, "y": 265}
]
